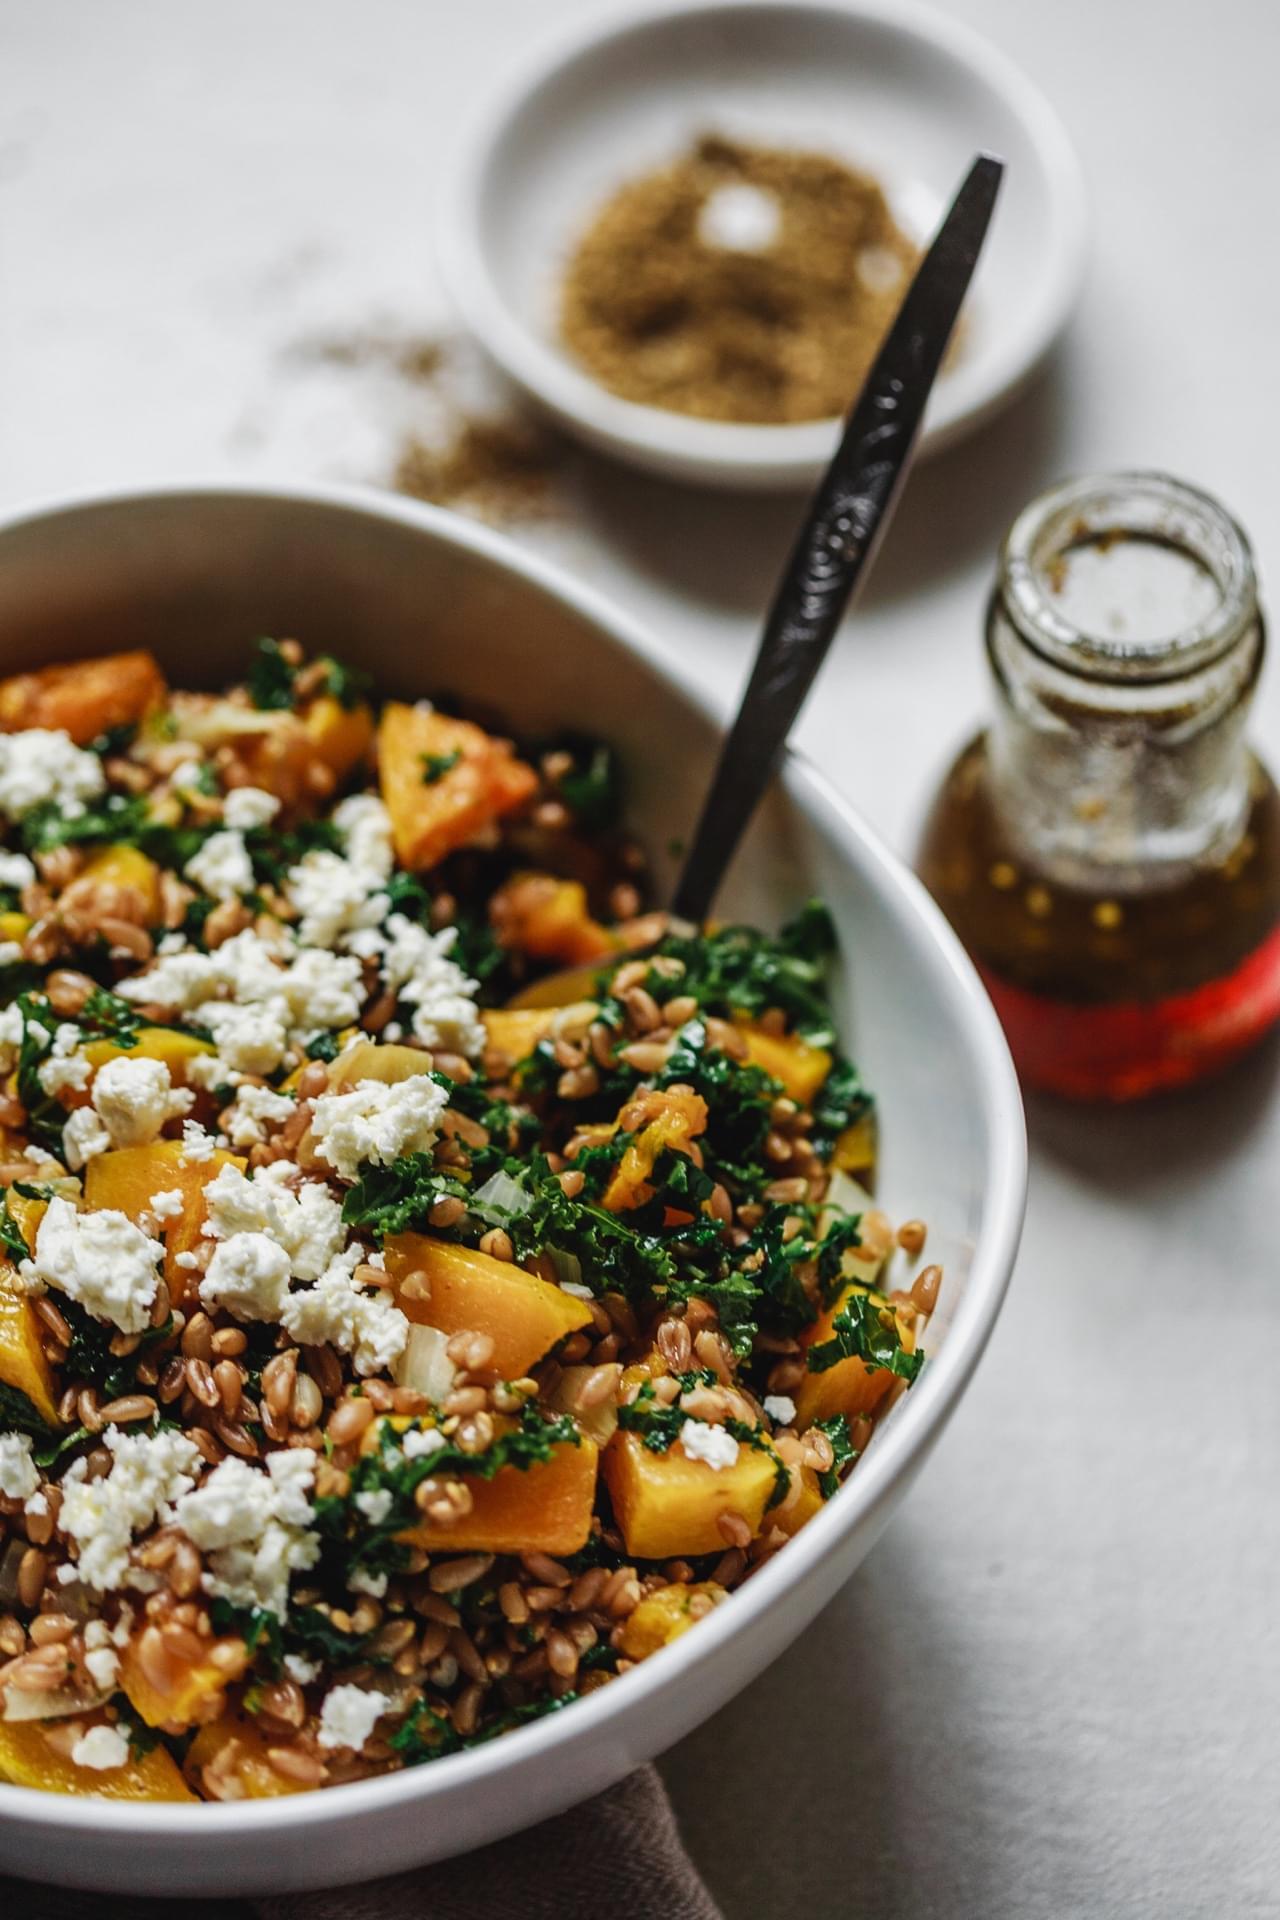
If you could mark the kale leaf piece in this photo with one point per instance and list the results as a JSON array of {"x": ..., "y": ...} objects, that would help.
[{"x": 868, "y": 1331}]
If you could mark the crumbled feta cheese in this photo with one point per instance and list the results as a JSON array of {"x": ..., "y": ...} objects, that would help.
[
  {"x": 576, "y": 1290},
  {"x": 337, "y": 1312},
  {"x": 254, "y": 1527},
  {"x": 375, "y": 1505},
  {"x": 376, "y": 1123},
  {"x": 710, "y": 1444},
  {"x": 103, "y": 1667},
  {"x": 253, "y": 1111},
  {"x": 40, "y": 767},
  {"x": 360, "y": 1580},
  {"x": 12, "y": 1029},
  {"x": 135, "y": 1098},
  {"x": 66, "y": 1069},
  {"x": 248, "y": 1276},
  {"x": 36, "y": 1502},
  {"x": 18, "y": 1476},
  {"x": 349, "y": 1715},
  {"x": 83, "y": 1137},
  {"x": 149, "y": 1474},
  {"x": 100, "y": 1260},
  {"x": 102, "y": 1748},
  {"x": 209, "y": 1071},
  {"x": 307, "y": 1224},
  {"x": 16, "y": 871},
  {"x": 222, "y": 867},
  {"x": 167, "y": 1205},
  {"x": 417, "y": 1441},
  {"x": 249, "y": 807},
  {"x": 417, "y": 968},
  {"x": 780, "y": 1407},
  {"x": 197, "y": 1145},
  {"x": 10, "y": 952},
  {"x": 252, "y": 1039},
  {"x": 333, "y": 898},
  {"x": 323, "y": 989},
  {"x": 299, "y": 1668},
  {"x": 365, "y": 827}
]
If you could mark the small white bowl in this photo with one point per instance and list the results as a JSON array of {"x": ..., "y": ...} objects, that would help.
[
  {"x": 426, "y": 600},
  {"x": 886, "y": 84}
]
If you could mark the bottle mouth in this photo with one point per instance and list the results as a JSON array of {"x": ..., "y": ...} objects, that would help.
[{"x": 1132, "y": 577}]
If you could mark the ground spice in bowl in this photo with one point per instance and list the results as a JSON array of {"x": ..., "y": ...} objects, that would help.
[{"x": 738, "y": 283}]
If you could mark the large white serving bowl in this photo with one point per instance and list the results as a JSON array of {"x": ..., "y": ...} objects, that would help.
[
  {"x": 892, "y": 86},
  {"x": 432, "y": 603}
]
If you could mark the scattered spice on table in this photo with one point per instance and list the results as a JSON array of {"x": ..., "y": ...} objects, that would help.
[{"x": 737, "y": 283}]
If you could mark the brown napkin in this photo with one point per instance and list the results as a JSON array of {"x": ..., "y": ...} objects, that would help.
[{"x": 620, "y": 1854}]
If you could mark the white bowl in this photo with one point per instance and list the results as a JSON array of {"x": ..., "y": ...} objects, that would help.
[
  {"x": 430, "y": 602},
  {"x": 888, "y": 84}
]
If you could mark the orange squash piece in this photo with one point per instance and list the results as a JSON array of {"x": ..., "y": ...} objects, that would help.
[
  {"x": 153, "y": 1043},
  {"x": 786, "y": 1057},
  {"x": 470, "y": 1292},
  {"x": 341, "y": 736},
  {"x": 128, "y": 1179},
  {"x": 678, "y": 1115},
  {"x": 663, "y": 1616},
  {"x": 516, "y": 1031},
  {"x": 22, "y": 1361},
  {"x": 561, "y": 989},
  {"x": 83, "y": 697},
  {"x": 548, "y": 919},
  {"x": 850, "y": 1387},
  {"x": 540, "y": 1509},
  {"x": 668, "y": 1506},
  {"x": 855, "y": 1148},
  {"x": 133, "y": 878},
  {"x": 430, "y": 818},
  {"x": 257, "y": 1777},
  {"x": 796, "y": 1512},
  {"x": 191, "y": 1685},
  {"x": 27, "y": 1760}
]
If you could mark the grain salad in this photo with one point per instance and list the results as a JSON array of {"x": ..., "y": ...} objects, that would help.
[{"x": 432, "y": 1279}]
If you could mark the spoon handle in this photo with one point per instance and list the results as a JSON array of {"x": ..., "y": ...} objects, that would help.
[{"x": 849, "y": 512}]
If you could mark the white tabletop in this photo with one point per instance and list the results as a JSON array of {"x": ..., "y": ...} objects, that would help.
[{"x": 1052, "y": 1690}]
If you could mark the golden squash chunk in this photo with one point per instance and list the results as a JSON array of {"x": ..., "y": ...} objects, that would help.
[
  {"x": 129, "y": 1178},
  {"x": 548, "y": 918},
  {"x": 785, "y": 1057},
  {"x": 545, "y": 1508},
  {"x": 341, "y": 736},
  {"x": 27, "y": 1760},
  {"x": 803, "y": 1500},
  {"x": 22, "y": 1361},
  {"x": 153, "y": 1043},
  {"x": 470, "y": 1292},
  {"x": 855, "y": 1148},
  {"x": 667, "y": 1505},
  {"x": 673, "y": 1118},
  {"x": 850, "y": 1387},
  {"x": 367, "y": 1061},
  {"x": 560, "y": 989},
  {"x": 120, "y": 879},
  {"x": 83, "y": 697},
  {"x": 15, "y": 926},
  {"x": 516, "y": 1031},
  {"x": 257, "y": 1777},
  {"x": 663, "y": 1616},
  {"x": 169, "y": 1692},
  {"x": 431, "y": 816}
]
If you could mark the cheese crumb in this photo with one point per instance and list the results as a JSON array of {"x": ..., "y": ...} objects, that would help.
[
  {"x": 103, "y": 1749},
  {"x": 83, "y": 1137},
  {"x": 42, "y": 768},
  {"x": 18, "y": 1476},
  {"x": 66, "y": 1069},
  {"x": 103, "y": 1666},
  {"x": 16, "y": 871},
  {"x": 712, "y": 1445},
  {"x": 349, "y": 1715},
  {"x": 417, "y": 968},
  {"x": 417, "y": 1441},
  {"x": 222, "y": 867},
  {"x": 253, "y": 1111},
  {"x": 169, "y": 1204},
  {"x": 149, "y": 1473},
  {"x": 100, "y": 1260},
  {"x": 249, "y": 807},
  {"x": 780, "y": 1407},
  {"x": 376, "y": 1123},
  {"x": 248, "y": 1276},
  {"x": 337, "y": 1313},
  {"x": 299, "y": 1668},
  {"x": 307, "y": 1224},
  {"x": 254, "y": 1527},
  {"x": 134, "y": 1098},
  {"x": 197, "y": 1145}
]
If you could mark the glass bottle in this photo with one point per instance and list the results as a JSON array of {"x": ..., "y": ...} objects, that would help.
[{"x": 1108, "y": 849}]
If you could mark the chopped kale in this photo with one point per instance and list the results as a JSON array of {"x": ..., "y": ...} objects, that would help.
[
  {"x": 271, "y": 677},
  {"x": 592, "y": 787},
  {"x": 400, "y": 1197},
  {"x": 740, "y": 970},
  {"x": 436, "y": 765},
  {"x": 114, "y": 817},
  {"x": 346, "y": 684},
  {"x": 90, "y": 1359},
  {"x": 866, "y": 1329},
  {"x": 18, "y": 1414},
  {"x": 11, "y": 1238},
  {"x": 837, "y": 1432}
]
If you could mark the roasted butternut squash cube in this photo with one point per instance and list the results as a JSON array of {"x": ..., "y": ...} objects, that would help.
[
  {"x": 560, "y": 989},
  {"x": 668, "y": 1505},
  {"x": 132, "y": 876},
  {"x": 850, "y": 1387},
  {"x": 27, "y": 1760},
  {"x": 803, "y": 1500},
  {"x": 444, "y": 781},
  {"x": 855, "y": 1148},
  {"x": 545, "y": 1508},
  {"x": 128, "y": 1179},
  {"x": 247, "y": 1760},
  {"x": 83, "y": 697},
  {"x": 675, "y": 1116},
  {"x": 470, "y": 1292},
  {"x": 516, "y": 1031},
  {"x": 153, "y": 1043},
  {"x": 15, "y": 926},
  {"x": 548, "y": 918},
  {"x": 341, "y": 736},
  {"x": 786, "y": 1057},
  {"x": 663, "y": 1616},
  {"x": 22, "y": 1361},
  {"x": 188, "y": 1686}
]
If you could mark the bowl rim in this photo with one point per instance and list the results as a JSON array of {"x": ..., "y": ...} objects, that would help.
[
  {"x": 904, "y": 1442},
  {"x": 730, "y": 451}
]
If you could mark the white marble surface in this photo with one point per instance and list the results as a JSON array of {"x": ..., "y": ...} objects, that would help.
[{"x": 1052, "y": 1690}]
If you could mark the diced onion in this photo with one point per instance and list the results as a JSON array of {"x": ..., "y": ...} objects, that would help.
[
  {"x": 500, "y": 1195},
  {"x": 425, "y": 1366},
  {"x": 568, "y": 1270},
  {"x": 19, "y": 1705}
]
